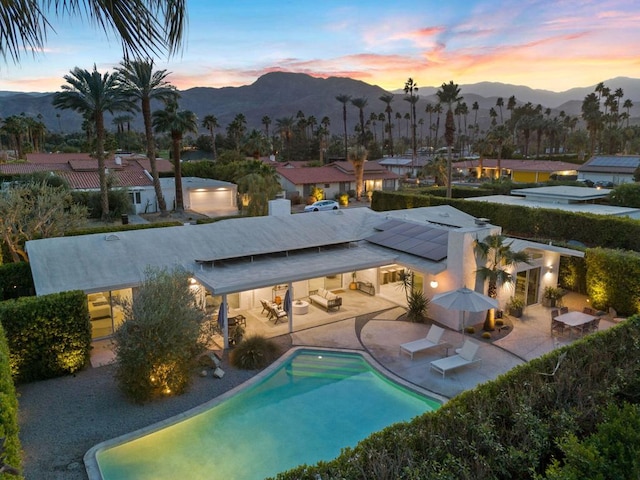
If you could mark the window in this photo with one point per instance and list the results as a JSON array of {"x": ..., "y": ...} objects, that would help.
[{"x": 135, "y": 198}]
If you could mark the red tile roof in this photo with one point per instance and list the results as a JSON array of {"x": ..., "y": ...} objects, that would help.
[
  {"x": 332, "y": 173},
  {"x": 518, "y": 165}
]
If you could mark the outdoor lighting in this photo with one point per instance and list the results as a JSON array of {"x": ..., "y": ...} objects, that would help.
[
  {"x": 434, "y": 284},
  {"x": 549, "y": 268},
  {"x": 192, "y": 281}
]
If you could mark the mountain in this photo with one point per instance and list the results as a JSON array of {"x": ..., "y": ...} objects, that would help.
[{"x": 281, "y": 94}]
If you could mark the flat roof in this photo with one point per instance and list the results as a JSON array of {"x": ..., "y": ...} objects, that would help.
[
  {"x": 229, "y": 255},
  {"x": 595, "y": 209},
  {"x": 563, "y": 193}
]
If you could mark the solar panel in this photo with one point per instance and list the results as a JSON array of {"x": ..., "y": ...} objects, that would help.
[
  {"x": 420, "y": 240},
  {"x": 630, "y": 162}
]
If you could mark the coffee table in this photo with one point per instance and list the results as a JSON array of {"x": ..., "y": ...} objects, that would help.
[{"x": 300, "y": 307}]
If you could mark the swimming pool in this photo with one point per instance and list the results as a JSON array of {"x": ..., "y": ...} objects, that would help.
[{"x": 306, "y": 410}]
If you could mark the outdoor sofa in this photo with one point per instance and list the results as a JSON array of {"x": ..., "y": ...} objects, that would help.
[{"x": 325, "y": 299}]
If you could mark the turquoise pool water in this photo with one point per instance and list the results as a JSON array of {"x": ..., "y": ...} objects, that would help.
[{"x": 313, "y": 405}]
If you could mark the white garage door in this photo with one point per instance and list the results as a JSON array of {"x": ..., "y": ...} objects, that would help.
[{"x": 208, "y": 201}]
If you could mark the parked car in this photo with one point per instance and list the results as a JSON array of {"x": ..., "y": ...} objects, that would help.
[
  {"x": 604, "y": 184},
  {"x": 322, "y": 205}
]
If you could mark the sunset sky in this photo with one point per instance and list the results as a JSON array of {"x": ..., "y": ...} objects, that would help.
[{"x": 553, "y": 45}]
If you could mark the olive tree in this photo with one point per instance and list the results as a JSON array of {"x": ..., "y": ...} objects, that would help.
[{"x": 160, "y": 338}]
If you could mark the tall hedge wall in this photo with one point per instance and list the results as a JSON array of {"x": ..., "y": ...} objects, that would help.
[
  {"x": 613, "y": 279},
  {"x": 48, "y": 336},
  {"x": 507, "y": 428},
  {"x": 8, "y": 412},
  {"x": 592, "y": 230}
]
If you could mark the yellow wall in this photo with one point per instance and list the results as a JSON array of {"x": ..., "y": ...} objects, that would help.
[{"x": 526, "y": 177}]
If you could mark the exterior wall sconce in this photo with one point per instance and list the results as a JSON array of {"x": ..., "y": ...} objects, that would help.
[
  {"x": 434, "y": 284},
  {"x": 549, "y": 268}
]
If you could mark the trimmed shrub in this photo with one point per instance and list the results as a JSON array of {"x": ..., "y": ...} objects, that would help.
[
  {"x": 254, "y": 352},
  {"x": 48, "y": 336},
  {"x": 161, "y": 337},
  {"x": 8, "y": 413}
]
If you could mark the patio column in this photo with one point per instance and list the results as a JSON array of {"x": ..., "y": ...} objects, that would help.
[
  {"x": 225, "y": 316},
  {"x": 290, "y": 312}
]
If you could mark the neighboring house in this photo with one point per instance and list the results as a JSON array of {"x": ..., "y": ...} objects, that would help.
[
  {"x": 616, "y": 169},
  {"x": 569, "y": 199},
  {"x": 404, "y": 165},
  {"x": 247, "y": 259},
  {"x": 334, "y": 179},
  {"x": 133, "y": 172},
  {"x": 524, "y": 171}
]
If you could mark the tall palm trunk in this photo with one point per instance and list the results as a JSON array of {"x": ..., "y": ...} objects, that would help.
[
  {"x": 344, "y": 122},
  {"x": 102, "y": 175},
  {"x": 176, "y": 139},
  {"x": 151, "y": 154}
]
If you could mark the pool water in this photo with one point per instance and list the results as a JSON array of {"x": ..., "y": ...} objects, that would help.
[{"x": 312, "y": 406}]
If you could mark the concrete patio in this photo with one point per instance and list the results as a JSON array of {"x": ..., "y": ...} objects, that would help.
[{"x": 370, "y": 324}]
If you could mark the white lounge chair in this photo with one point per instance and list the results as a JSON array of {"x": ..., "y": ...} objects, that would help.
[
  {"x": 467, "y": 356},
  {"x": 431, "y": 340}
]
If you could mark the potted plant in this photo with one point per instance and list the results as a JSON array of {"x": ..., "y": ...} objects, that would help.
[
  {"x": 353, "y": 285},
  {"x": 552, "y": 295},
  {"x": 515, "y": 306}
]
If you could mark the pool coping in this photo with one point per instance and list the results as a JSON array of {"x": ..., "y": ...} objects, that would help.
[{"x": 90, "y": 458}]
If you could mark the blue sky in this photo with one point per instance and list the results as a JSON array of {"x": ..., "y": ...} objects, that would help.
[{"x": 555, "y": 45}]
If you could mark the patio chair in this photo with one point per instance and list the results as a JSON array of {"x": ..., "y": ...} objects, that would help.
[
  {"x": 276, "y": 314},
  {"x": 265, "y": 306},
  {"x": 467, "y": 356},
  {"x": 557, "y": 327},
  {"x": 564, "y": 310},
  {"x": 554, "y": 313},
  {"x": 430, "y": 341}
]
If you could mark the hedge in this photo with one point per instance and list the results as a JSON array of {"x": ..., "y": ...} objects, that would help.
[
  {"x": 48, "y": 336},
  {"x": 590, "y": 229},
  {"x": 506, "y": 428},
  {"x": 16, "y": 281},
  {"x": 8, "y": 412}
]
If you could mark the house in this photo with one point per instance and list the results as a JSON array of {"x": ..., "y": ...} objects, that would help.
[
  {"x": 244, "y": 260},
  {"x": 615, "y": 169},
  {"x": 334, "y": 178},
  {"x": 567, "y": 198},
  {"x": 404, "y": 166},
  {"x": 131, "y": 171},
  {"x": 524, "y": 171}
]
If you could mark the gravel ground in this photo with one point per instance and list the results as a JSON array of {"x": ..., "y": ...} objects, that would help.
[{"x": 62, "y": 418}]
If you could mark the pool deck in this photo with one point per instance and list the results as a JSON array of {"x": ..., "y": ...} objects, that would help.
[{"x": 382, "y": 336}]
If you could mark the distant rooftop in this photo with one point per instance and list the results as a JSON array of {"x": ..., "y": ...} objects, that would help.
[{"x": 562, "y": 194}]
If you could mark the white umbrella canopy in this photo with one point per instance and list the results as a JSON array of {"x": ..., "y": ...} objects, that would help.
[{"x": 464, "y": 300}]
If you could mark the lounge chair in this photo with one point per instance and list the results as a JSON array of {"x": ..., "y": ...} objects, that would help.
[
  {"x": 467, "y": 356},
  {"x": 430, "y": 341}
]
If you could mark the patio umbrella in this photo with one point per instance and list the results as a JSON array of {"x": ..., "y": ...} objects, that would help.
[
  {"x": 222, "y": 313},
  {"x": 287, "y": 302},
  {"x": 464, "y": 300}
]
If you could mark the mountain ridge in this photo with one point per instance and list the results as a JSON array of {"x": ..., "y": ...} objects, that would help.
[{"x": 284, "y": 94}]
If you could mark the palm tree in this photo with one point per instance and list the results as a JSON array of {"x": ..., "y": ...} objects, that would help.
[
  {"x": 498, "y": 258},
  {"x": 344, "y": 99},
  {"x": 143, "y": 85},
  {"x": 511, "y": 105},
  {"x": 92, "y": 94},
  {"x": 144, "y": 26},
  {"x": 388, "y": 98},
  {"x": 360, "y": 103},
  {"x": 176, "y": 123},
  {"x": 449, "y": 93},
  {"x": 210, "y": 122},
  {"x": 285, "y": 130},
  {"x": 410, "y": 87},
  {"x": 500, "y": 104},
  {"x": 357, "y": 156},
  {"x": 497, "y": 137},
  {"x": 628, "y": 104},
  {"x": 15, "y": 127}
]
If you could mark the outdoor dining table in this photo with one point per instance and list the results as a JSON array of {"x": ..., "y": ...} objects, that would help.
[{"x": 574, "y": 318}]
